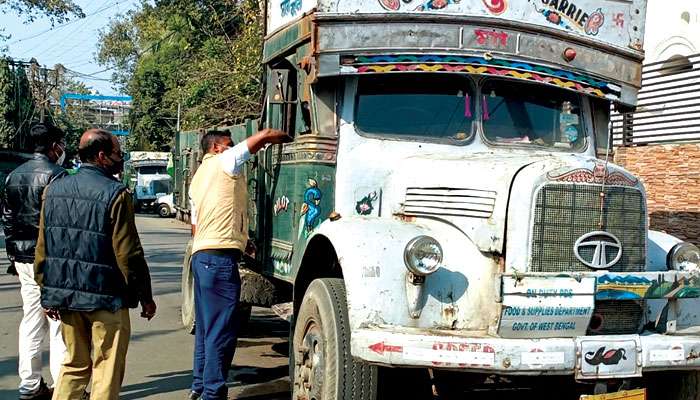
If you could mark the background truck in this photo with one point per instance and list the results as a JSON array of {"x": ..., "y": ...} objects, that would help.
[
  {"x": 448, "y": 207},
  {"x": 147, "y": 176}
]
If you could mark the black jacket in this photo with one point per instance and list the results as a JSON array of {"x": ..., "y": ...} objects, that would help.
[
  {"x": 81, "y": 271},
  {"x": 21, "y": 205}
]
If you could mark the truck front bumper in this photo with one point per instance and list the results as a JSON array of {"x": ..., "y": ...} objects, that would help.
[{"x": 588, "y": 357}]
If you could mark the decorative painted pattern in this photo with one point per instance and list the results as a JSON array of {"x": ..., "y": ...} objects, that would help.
[
  {"x": 598, "y": 175},
  {"x": 484, "y": 71},
  {"x": 308, "y": 148},
  {"x": 311, "y": 208},
  {"x": 290, "y": 7},
  {"x": 605, "y": 356},
  {"x": 281, "y": 263},
  {"x": 571, "y": 17},
  {"x": 395, "y": 5},
  {"x": 365, "y": 206},
  {"x": 595, "y": 21},
  {"x": 281, "y": 257},
  {"x": 480, "y": 66},
  {"x": 320, "y": 156},
  {"x": 419, "y": 59},
  {"x": 635, "y": 287},
  {"x": 281, "y": 204},
  {"x": 496, "y": 7}
]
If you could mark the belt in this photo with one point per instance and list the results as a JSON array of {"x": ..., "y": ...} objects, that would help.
[{"x": 223, "y": 252}]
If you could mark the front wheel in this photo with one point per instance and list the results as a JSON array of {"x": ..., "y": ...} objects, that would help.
[
  {"x": 164, "y": 211},
  {"x": 324, "y": 368}
]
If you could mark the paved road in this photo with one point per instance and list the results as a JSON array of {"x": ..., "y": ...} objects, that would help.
[{"x": 160, "y": 354}]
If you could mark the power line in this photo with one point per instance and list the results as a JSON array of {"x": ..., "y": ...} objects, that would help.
[
  {"x": 61, "y": 26},
  {"x": 86, "y": 76},
  {"x": 55, "y": 43}
]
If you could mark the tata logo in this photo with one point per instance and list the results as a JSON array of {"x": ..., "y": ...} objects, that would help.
[{"x": 593, "y": 249}]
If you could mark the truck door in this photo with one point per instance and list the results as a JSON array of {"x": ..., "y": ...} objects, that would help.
[{"x": 281, "y": 210}]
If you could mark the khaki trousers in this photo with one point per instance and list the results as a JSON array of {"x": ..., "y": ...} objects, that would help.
[{"x": 96, "y": 344}]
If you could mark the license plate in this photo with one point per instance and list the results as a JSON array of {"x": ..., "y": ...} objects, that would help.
[{"x": 637, "y": 394}]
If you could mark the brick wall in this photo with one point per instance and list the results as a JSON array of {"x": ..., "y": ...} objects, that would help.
[{"x": 671, "y": 176}]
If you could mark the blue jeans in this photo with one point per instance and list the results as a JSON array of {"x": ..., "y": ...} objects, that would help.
[{"x": 217, "y": 287}]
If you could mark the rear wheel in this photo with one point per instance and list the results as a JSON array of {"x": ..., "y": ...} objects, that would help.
[{"x": 324, "y": 368}]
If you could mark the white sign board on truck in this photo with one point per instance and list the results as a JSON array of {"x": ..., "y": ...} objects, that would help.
[
  {"x": 282, "y": 12},
  {"x": 619, "y": 23}
]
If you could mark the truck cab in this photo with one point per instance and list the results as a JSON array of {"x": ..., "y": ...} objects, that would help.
[
  {"x": 449, "y": 202},
  {"x": 148, "y": 178}
]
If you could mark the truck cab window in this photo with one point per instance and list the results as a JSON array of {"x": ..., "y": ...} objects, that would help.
[
  {"x": 535, "y": 115},
  {"x": 153, "y": 170},
  {"x": 418, "y": 106},
  {"x": 283, "y": 102}
]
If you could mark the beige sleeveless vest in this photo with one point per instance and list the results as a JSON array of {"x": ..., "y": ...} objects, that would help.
[{"x": 222, "y": 207}]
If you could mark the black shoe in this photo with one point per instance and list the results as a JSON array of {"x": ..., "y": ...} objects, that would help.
[
  {"x": 43, "y": 393},
  {"x": 194, "y": 395}
]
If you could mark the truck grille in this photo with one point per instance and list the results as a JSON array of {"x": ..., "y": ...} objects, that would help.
[
  {"x": 565, "y": 212},
  {"x": 616, "y": 317},
  {"x": 454, "y": 202}
]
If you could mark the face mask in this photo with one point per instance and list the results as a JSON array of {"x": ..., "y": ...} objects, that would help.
[
  {"x": 61, "y": 158},
  {"x": 116, "y": 167}
]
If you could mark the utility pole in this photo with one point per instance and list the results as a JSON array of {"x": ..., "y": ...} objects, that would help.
[
  {"x": 177, "y": 124},
  {"x": 39, "y": 83}
]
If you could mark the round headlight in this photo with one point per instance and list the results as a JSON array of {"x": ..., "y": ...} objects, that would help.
[
  {"x": 684, "y": 257},
  {"x": 423, "y": 255}
]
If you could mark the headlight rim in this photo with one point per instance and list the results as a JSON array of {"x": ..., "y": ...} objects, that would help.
[
  {"x": 670, "y": 260},
  {"x": 411, "y": 245}
]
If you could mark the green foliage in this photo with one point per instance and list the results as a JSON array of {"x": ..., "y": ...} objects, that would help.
[
  {"x": 204, "y": 55},
  {"x": 25, "y": 112},
  {"x": 19, "y": 110},
  {"x": 56, "y": 10},
  {"x": 7, "y": 104}
]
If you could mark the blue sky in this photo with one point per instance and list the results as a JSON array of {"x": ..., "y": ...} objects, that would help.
[{"x": 72, "y": 44}]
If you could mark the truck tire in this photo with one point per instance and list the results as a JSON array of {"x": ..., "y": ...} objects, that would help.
[
  {"x": 187, "y": 290},
  {"x": 164, "y": 211},
  {"x": 324, "y": 368}
]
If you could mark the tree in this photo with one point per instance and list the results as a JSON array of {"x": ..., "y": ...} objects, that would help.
[
  {"x": 7, "y": 104},
  {"x": 56, "y": 10},
  {"x": 25, "y": 109},
  {"x": 200, "y": 54},
  {"x": 19, "y": 109}
]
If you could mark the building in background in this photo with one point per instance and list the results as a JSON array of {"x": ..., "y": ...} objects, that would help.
[
  {"x": 672, "y": 30},
  {"x": 660, "y": 142},
  {"x": 110, "y": 113}
]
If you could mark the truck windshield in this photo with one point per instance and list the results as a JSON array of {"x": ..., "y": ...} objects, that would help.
[
  {"x": 420, "y": 106},
  {"x": 153, "y": 170},
  {"x": 530, "y": 114}
]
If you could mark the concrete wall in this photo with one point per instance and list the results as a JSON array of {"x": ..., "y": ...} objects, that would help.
[
  {"x": 673, "y": 28},
  {"x": 671, "y": 176}
]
